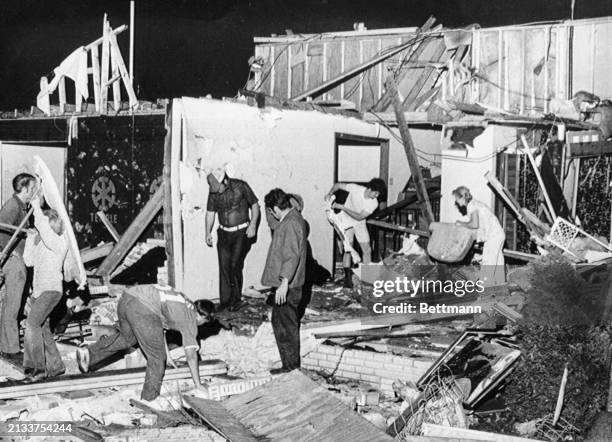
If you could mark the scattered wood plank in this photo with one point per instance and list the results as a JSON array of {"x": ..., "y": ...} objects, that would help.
[
  {"x": 293, "y": 407},
  {"x": 102, "y": 379},
  {"x": 109, "y": 226},
  {"x": 508, "y": 312},
  {"x": 389, "y": 226},
  {"x": 93, "y": 253},
  {"x": 220, "y": 419},
  {"x": 164, "y": 418},
  {"x": 520, "y": 255},
  {"x": 133, "y": 232},
  {"x": 464, "y": 433}
]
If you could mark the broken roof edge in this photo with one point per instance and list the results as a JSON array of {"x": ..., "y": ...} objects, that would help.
[{"x": 296, "y": 38}]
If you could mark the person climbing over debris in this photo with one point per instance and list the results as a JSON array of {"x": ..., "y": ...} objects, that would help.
[
  {"x": 360, "y": 203},
  {"x": 144, "y": 313},
  {"x": 488, "y": 230},
  {"x": 45, "y": 250},
  {"x": 285, "y": 270}
]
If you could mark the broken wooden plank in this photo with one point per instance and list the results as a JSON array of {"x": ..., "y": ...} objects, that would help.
[
  {"x": 133, "y": 232},
  {"x": 385, "y": 225},
  {"x": 415, "y": 168},
  {"x": 508, "y": 312},
  {"x": 164, "y": 418},
  {"x": 220, "y": 419},
  {"x": 409, "y": 101},
  {"x": 167, "y": 206},
  {"x": 109, "y": 226},
  {"x": 536, "y": 171},
  {"x": 102, "y": 379},
  {"x": 464, "y": 433},
  {"x": 104, "y": 67},
  {"x": 93, "y": 253}
]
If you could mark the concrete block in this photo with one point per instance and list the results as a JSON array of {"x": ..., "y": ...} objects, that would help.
[
  {"x": 373, "y": 379},
  {"x": 327, "y": 364},
  {"x": 361, "y": 369},
  {"x": 353, "y": 361},
  {"x": 374, "y": 364}
]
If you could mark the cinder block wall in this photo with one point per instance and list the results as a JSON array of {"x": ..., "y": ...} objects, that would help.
[{"x": 377, "y": 369}]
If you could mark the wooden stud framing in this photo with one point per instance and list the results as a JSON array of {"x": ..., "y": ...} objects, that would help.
[
  {"x": 61, "y": 88},
  {"x": 95, "y": 66},
  {"x": 342, "y": 68},
  {"x": 104, "y": 68},
  {"x": 122, "y": 70},
  {"x": 547, "y": 31},
  {"x": 167, "y": 214},
  {"x": 272, "y": 70},
  {"x": 523, "y": 65},
  {"x": 500, "y": 40},
  {"x": 289, "y": 70},
  {"x": 324, "y": 62}
]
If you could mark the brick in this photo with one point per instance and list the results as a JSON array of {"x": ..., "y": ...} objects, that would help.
[
  {"x": 370, "y": 378},
  {"x": 327, "y": 364},
  {"x": 316, "y": 355},
  {"x": 402, "y": 360},
  {"x": 328, "y": 349},
  {"x": 421, "y": 363},
  {"x": 353, "y": 361},
  {"x": 374, "y": 364},
  {"x": 348, "y": 367},
  {"x": 364, "y": 370}
]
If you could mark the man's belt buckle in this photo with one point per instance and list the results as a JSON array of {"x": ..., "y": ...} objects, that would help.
[{"x": 235, "y": 228}]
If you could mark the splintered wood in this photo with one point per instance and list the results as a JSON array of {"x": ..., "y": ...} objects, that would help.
[{"x": 292, "y": 407}]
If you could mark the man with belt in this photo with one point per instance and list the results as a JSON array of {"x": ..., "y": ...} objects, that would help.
[
  {"x": 13, "y": 212},
  {"x": 285, "y": 271},
  {"x": 144, "y": 312},
  {"x": 231, "y": 199}
]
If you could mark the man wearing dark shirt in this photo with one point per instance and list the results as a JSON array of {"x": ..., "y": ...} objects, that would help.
[
  {"x": 286, "y": 271},
  {"x": 13, "y": 212},
  {"x": 144, "y": 313},
  {"x": 231, "y": 200}
]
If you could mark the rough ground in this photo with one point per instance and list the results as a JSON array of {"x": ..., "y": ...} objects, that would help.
[{"x": 602, "y": 430}]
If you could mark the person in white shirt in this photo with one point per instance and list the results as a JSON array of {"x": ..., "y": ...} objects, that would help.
[
  {"x": 45, "y": 250},
  {"x": 488, "y": 230},
  {"x": 360, "y": 203}
]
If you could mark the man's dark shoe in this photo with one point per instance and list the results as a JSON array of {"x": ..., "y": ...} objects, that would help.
[
  {"x": 35, "y": 376},
  {"x": 281, "y": 370},
  {"x": 55, "y": 374}
]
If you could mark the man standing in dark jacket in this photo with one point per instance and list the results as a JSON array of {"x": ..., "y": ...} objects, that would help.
[
  {"x": 13, "y": 212},
  {"x": 285, "y": 270}
]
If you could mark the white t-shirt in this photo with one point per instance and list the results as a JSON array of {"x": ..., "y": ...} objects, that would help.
[
  {"x": 357, "y": 202},
  {"x": 488, "y": 224}
]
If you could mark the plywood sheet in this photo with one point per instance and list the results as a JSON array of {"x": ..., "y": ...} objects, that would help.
[
  {"x": 333, "y": 60},
  {"x": 315, "y": 65},
  {"x": 217, "y": 416},
  {"x": 352, "y": 57},
  {"x": 292, "y": 407},
  {"x": 280, "y": 71}
]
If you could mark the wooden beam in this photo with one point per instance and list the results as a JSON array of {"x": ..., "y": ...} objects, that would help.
[
  {"x": 100, "y": 40},
  {"x": 123, "y": 72},
  {"x": 133, "y": 232},
  {"x": 95, "y": 66},
  {"x": 104, "y": 67},
  {"x": 536, "y": 170},
  {"x": 415, "y": 168},
  {"x": 167, "y": 217},
  {"x": 62, "y": 94},
  {"x": 109, "y": 226},
  {"x": 91, "y": 254},
  {"x": 389, "y": 226},
  {"x": 344, "y": 76},
  {"x": 103, "y": 379},
  {"x": 116, "y": 76}
]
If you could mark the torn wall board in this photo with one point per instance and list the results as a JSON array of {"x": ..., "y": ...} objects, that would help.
[{"x": 291, "y": 149}]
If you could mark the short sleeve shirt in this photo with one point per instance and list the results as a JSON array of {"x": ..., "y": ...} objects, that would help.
[
  {"x": 176, "y": 312},
  {"x": 488, "y": 224},
  {"x": 233, "y": 204}
]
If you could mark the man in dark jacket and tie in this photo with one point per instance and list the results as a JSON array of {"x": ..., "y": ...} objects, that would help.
[{"x": 285, "y": 270}]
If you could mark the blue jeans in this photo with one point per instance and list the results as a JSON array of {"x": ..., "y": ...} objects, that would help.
[
  {"x": 14, "y": 282},
  {"x": 137, "y": 325},
  {"x": 40, "y": 351}
]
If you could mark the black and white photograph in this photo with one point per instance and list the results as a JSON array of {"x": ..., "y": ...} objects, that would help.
[{"x": 306, "y": 220}]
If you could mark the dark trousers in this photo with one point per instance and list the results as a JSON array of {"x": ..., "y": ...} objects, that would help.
[
  {"x": 14, "y": 282},
  {"x": 137, "y": 325},
  {"x": 286, "y": 326},
  {"x": 232, "y": 248},
  {"x": 40, "y": 351}
]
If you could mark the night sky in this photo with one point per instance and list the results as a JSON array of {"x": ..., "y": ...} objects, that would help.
[{"x": 197, "y": 47}]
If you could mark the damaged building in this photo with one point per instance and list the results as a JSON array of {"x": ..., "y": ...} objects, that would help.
[{"x": 517, "y": 114}]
